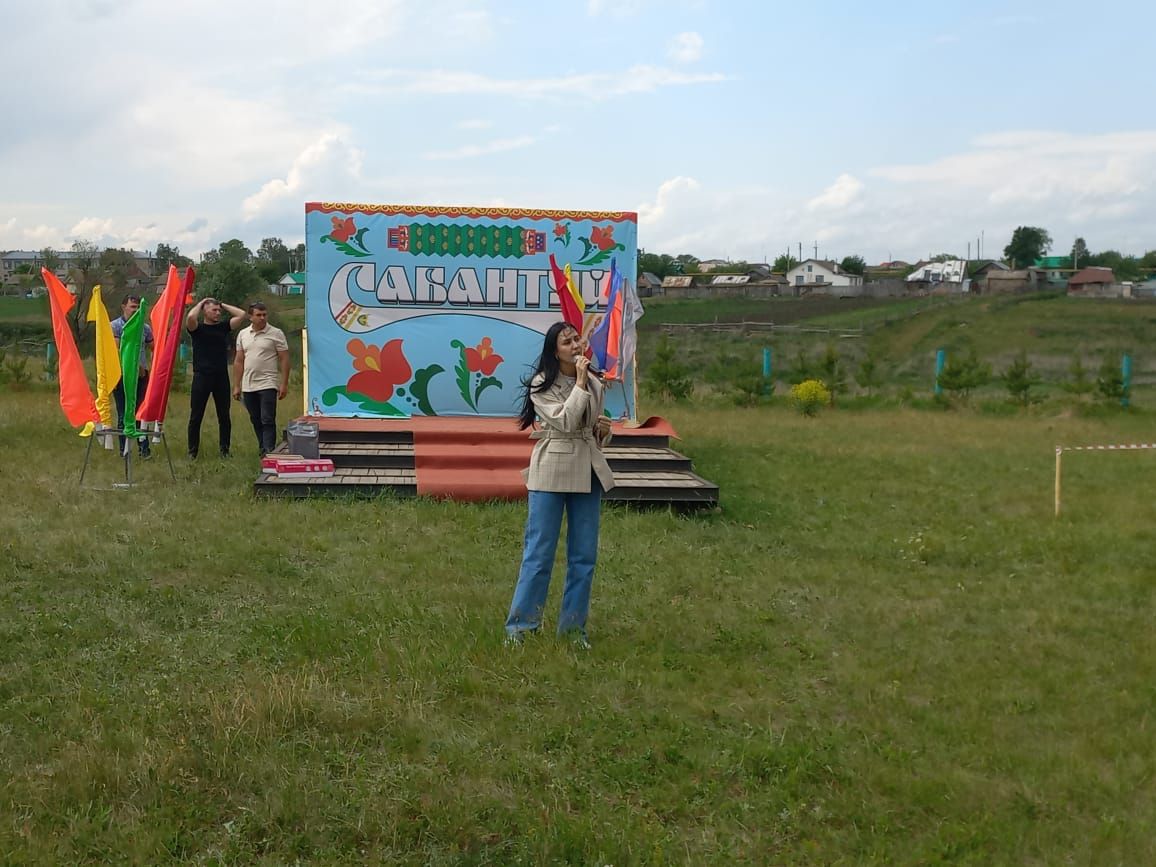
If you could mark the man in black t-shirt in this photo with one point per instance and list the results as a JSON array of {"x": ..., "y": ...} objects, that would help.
[{"x": 211, "y": 340}]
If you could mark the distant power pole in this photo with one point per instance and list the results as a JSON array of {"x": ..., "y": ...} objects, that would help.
[{"x": 816, "y": 249}]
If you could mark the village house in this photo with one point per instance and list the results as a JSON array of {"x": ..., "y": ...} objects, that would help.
[
  {"x": 1094, "y": 283},
  {"x": 823, "y": 277}
]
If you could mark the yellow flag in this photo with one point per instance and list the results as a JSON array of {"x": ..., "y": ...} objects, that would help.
[
  {"x": 107, "y": 358},
  {"x": 576, "y": 294}
]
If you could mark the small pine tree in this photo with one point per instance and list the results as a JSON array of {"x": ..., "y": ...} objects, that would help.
[
  {"x": 868, "y": 376},
  {"x": 801, "y": 371},
  {"x": 1110, "y": 382},
  {"x": 961, "y": 376},
  {"x": 666, "y": 376},
  {"x": 1019, "y": 380},
  {"x": 832, "y": 371},
  {"x": 1077, "y": 382}
]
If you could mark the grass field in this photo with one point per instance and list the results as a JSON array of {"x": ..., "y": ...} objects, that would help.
[{"x": 882, "y": 649}]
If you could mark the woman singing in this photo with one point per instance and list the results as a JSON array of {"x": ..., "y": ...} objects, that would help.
[{"x": 567, "y": 473}]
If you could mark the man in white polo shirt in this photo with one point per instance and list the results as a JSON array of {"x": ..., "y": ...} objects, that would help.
[{"x": 261, "y": 373}]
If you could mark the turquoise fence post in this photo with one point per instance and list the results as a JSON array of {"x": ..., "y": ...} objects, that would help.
[
  {"x": 184, "y": 353},
  {"x": 1126, "y": 376},
  {"x": 940, "y": 360},
  {"x": 49, "y": 349},
  {"x": 766, "y": 370}
]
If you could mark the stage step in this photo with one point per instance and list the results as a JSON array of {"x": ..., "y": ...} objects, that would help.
[
  {"x": 626, "y": 458},
  {"x": 373, "y": 460}
]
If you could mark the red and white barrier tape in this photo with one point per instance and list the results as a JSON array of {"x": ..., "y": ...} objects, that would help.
[{"x": 1112, "y": 448}]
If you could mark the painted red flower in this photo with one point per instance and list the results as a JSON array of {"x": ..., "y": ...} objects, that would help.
[
  {"x": 560, "y": 229},
  {"x": 380, "y": 369},
  {"x": 602, "y": 237},
  {"x": 482, "y": 358},
  {"x": 343, "y": 230}
]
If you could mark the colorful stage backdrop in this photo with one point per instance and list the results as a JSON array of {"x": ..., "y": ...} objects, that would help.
[{"x": 417, "y": 310}]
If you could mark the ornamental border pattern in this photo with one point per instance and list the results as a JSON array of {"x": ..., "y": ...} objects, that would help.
[{"x": 455, "y": 211}]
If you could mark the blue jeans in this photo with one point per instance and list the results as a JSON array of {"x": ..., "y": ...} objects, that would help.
[{"x": 543, "y": 525}]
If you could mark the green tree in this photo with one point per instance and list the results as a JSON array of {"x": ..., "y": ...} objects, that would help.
[
  {"x": 84, "y": 271},
  {"x": 833, "y": 372},
  {"x": 1028, "y": 243},
  {"x": 297, "y": 258},
  {"x": 659, "y": 264},
  {"x": 166, "y": 255},
  {"x": 666, "y": 376},
  {"x": 801, "y": 370},
  {"x": 944, "y": 257},
  {"x": 961, "y": 376},
  {"x": 784, "y": 263},
  {"x": 1123, "y": 267},
  {"x": 233, "y": 249},
  {"x": 51, "y": 259},
  {"x": 868, "y": 376},
  {"x": 1148, "y": 262},
  {"x": 1110, "y": 382},
  {"x": 1077, "y": 382},
  {"x": 1019, "y": 379},
  {"x": 854, "y": 265},
  {"x": 117, "y": 267},
  {"x": 1079, "y": 253},
  {"x": 231, "y": 281}
]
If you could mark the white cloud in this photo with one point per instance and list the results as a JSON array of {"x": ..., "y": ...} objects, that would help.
[
  {"x": 92, "y": 227},
  {"x": 685, "y": 48},
  {"x": 841, "y": 195},
  {"x": 492, "y": 147},
  {"x": 324, "y": 167},
  {"x": 592, "y": 86}
]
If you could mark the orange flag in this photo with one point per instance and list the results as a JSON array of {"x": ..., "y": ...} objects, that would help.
[
  {"x": 162, "y": 312},
  {"x": 75, "y": 393}
]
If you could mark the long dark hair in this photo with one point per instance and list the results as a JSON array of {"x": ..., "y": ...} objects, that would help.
[{"x": 548, "y": 367}]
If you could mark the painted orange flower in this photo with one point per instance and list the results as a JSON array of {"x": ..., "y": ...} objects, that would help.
[
  {"x": 343, "y": 230},
  {"x": 482, "y": 358},
  {"x": 560, "y": 229},
  {"x": 380, "y": 369},
  {"x": 602, "y": 237}
]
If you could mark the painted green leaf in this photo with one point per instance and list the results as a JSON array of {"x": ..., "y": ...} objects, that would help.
[
  {"x": 463, "y": 374},
  {"x": 483, "y": 385},
  {"x": 329, "y": 398},
  {"x": 419, "y": 388}
]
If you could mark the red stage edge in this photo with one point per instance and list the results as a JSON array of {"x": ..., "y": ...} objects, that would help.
[{"x": 481, "y": 460}]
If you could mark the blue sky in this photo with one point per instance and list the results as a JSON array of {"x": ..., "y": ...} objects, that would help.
[{"x": 735, "y": 129}]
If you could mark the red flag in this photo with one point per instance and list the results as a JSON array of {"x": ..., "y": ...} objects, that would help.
[
  {"x": 570, "y": 309},
  {"x": 75, "y": 393},
  {"x": 156, "y": 399},
  {"x": 159, "y": 318}
]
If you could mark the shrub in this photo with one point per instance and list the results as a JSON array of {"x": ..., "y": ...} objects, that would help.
[
  {"x": 961, "y": 376},
  {"x": 1077, "y": 382},
  {"x": 1110, "y": 382},
  {"x": 868, "y": 376},
  {"x": 16, "y": 370},
  {"x": 833, "y": 372},
  {"x": 809, "y": 396},
  {"x": 666, "y": 376},
  {"x": 1019, "y": 380}
]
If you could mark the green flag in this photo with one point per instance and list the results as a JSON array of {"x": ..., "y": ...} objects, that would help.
[{"x": 130, "y": 340}]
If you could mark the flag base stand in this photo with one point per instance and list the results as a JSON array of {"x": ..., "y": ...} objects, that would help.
[{"x": 127, "y": 455}]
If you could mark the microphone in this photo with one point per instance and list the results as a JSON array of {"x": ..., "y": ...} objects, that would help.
[{"x": 592, "y": 370}]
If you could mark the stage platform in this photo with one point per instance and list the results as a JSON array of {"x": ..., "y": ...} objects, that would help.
[{"x": 479, "y": 459}]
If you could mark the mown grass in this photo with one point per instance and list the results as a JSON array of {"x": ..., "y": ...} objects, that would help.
[{"x": 882, "y": 649}]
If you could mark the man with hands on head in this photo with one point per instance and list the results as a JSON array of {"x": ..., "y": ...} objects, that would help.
[
  {"x": 261, "y": 373},
  {"x": 210, "y": 340}
]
